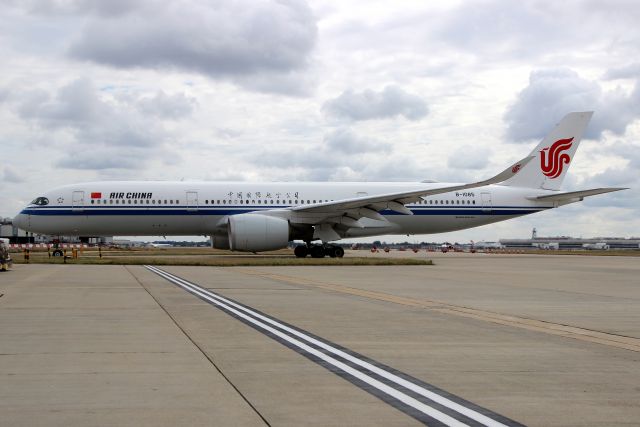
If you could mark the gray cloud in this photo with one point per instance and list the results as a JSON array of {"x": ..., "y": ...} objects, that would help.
[
  {"x": 102, "y": 125},
  {"x": 109, "y": 8},
  {"x": 341, "y": 153},
  {"x": 552, "y": 93},
  {"x": 468, "y": 157},
  {"x": 167, "y": 106},
  {"x": 346, "y": 141},
  {"x": 73, "y": 105},
  {"x": 630, "y": 71},
  {"x": 508, "y": 30},
  {"x": 229, "y": 39},
  {"x": 98, "y": 160},
  {"x": 392, "y": 101},
  {"x": 12, "y": 176}
]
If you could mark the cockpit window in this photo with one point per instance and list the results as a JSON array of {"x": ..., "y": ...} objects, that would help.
[{"x": 40, "y": 201}]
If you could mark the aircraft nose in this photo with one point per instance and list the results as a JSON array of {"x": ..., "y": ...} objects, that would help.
[{"x": 20, "y": 221}]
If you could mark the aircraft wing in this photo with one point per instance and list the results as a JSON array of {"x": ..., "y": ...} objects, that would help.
[
  {"x": 349, "y": 211},
  {"x": 576, "y": 195}
]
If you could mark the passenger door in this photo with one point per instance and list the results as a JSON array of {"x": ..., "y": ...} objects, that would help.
[
  {"x": 486, "y": 202},
  {"x": 192, "y": 201},
  {"x": 77, "y": 201}
]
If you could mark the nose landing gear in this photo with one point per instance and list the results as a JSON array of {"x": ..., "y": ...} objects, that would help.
[{"x": 318, "y": 251}]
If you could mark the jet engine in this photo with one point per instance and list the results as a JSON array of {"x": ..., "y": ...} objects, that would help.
[
  {"x": 254, "y": 232},
  {"x": 220, "y": 241}
]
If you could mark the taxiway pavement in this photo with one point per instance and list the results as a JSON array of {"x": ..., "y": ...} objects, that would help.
[{"x": 536, "y": 340}]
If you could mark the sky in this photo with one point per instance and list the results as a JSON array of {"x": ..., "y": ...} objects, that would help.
[{"x": 256, "y": 90}]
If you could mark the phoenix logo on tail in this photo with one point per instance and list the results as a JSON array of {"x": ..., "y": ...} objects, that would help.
[{"x": 552, "y": 159}]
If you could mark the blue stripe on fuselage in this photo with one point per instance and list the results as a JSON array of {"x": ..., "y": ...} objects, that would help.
[{"x": 180, "y": 210}]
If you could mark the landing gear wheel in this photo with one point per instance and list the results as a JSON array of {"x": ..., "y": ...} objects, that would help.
[
  {"x": 317, "y": 251},
  {"x": 301, "y": 251},
  {"x": 338, "y": 251},
  {"x": 330, "y": 251}
]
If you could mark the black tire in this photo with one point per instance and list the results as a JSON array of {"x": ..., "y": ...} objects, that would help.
[
  {"x": 330, "y": 251},
  {"x": 57, "y": 252},
  {"x": 301, "y": 251},
  {"x": 317, "y": 251},
  {"x": 338, "y": 252}
]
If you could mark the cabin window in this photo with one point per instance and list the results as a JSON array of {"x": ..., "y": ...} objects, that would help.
[{"x": 474, "y": 202}]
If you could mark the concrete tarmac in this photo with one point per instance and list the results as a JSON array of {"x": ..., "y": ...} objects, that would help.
[{"x": 541, "y": 340}]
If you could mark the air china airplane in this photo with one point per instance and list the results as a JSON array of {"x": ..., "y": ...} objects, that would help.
[{"x": 245, "y": 216}]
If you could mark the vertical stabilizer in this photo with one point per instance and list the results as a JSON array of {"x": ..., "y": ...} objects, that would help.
[{"x": 553, "y": 155}]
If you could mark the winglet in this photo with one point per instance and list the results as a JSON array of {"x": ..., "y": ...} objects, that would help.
[{"x": 509, "y": 172}]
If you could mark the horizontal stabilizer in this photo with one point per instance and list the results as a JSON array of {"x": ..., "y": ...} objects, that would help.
[{"x": 560, "y": 197}]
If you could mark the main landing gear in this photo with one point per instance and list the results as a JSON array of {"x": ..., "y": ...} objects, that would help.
[{"x": 318, "y": 251}]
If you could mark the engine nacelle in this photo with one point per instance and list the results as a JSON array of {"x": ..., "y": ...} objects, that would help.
[
  {"x": 220, "y": 241},
  {"x": 255, "y": 232}
]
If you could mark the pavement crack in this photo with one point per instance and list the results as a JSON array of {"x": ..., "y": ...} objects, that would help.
[{"x": 204, "y": 353}]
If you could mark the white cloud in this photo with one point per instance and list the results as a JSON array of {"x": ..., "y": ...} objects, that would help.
[
  {"x": 391, "y": 101},
  {"x": 11, "y": 175},
  {"x": 468, "y": 157},
  {"x": 552, "y": 93},
  {"x": 97, "y": 126}
]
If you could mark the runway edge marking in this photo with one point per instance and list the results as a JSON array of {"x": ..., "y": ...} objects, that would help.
[
  {"x": 567, "y": 331},
  {"x": 422, "y": 401}
]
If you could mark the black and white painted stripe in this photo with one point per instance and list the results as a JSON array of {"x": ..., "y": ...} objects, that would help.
[{"x": 416, "y": 398}]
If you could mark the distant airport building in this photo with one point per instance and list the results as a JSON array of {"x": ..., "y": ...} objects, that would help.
[{"x": 566, "y": 242}]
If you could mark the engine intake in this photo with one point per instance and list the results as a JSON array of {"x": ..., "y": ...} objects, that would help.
[
  {"x": 220, "y": 241},
  {"x": 255, "y": 232}
]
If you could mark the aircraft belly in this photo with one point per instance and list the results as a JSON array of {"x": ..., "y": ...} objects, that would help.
[{"x": 119, "y": 225}]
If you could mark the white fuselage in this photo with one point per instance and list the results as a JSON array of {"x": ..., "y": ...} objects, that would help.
[{"x": 197, "y": 208}]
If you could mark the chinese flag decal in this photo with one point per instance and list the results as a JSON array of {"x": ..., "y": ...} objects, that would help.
[{"x": 96, "y": 195}]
